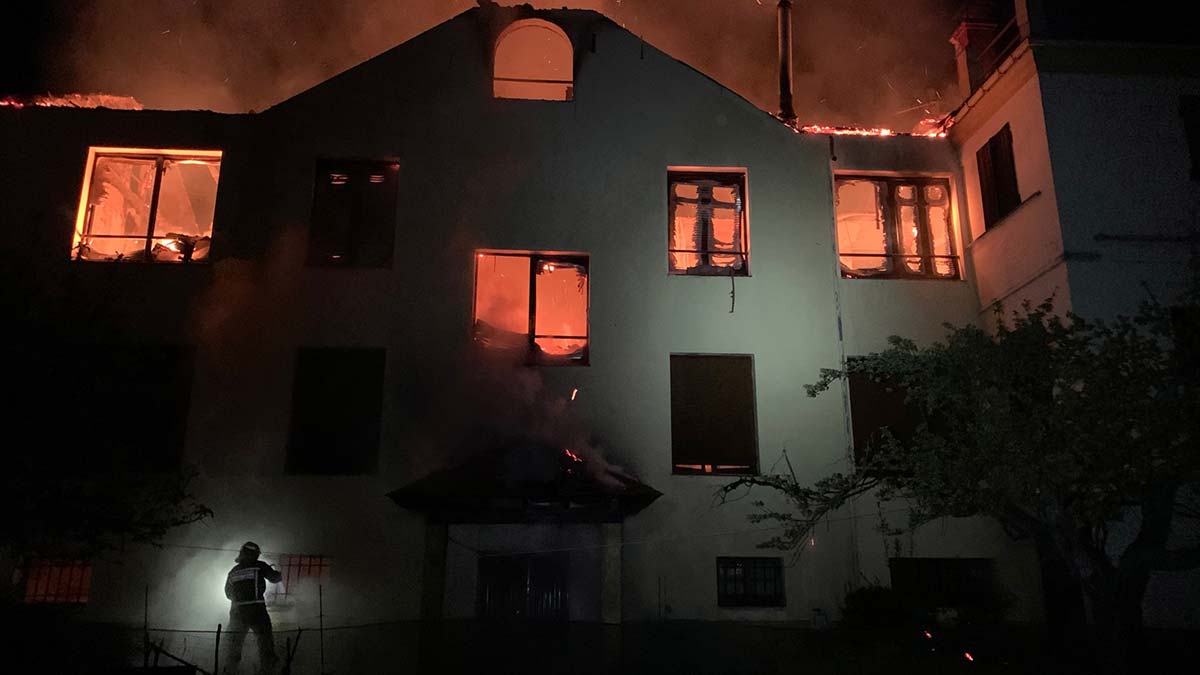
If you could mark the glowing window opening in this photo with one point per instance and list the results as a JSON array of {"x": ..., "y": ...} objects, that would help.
[
  {"x": 61, "y": 582},
  {"x": 298, "y": 572},
  {"x": 707, "y": 229},
  {"x": 534, "y": 60},
  {"x": 146, "y": 205},
  {"x": 532, "y": 306},
  {"x": 895, "y": 228}
]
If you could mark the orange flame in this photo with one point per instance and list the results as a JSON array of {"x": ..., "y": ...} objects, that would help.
[
  {"x": 74, "y": 101},
  {"x": 572, "y": 456}
]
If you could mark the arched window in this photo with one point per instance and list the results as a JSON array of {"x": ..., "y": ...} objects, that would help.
[{"x": 534, "y": 60}]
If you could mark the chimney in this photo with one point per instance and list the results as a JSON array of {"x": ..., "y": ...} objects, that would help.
[{"x": 786, "y": 111}]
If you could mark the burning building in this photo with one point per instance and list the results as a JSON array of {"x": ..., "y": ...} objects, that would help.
[{"x": 474, "y": 330}]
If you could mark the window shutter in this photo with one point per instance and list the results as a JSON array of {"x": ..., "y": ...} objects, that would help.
[{"x": 712, "y": 410}]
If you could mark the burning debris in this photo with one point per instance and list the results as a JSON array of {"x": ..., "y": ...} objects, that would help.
[
  {"x": 111, "y": 101},
  {"x": 928, "y": 128}
]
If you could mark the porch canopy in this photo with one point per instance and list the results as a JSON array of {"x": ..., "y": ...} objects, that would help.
[{"x": 528, "y": 482}]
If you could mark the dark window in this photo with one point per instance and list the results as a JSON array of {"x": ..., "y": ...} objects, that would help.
[
  {"x": 533, "y": 307},
  {"x": 337, "y": 401},
  {"x": 895, "y": 227},
  {"x": 707, "y": 232},
  {"x": 944, "y": 582},
  {"x": 998, "y": 178},
  {"x": 354, "y": 214},
  {"x": 1190, "y": 108},
  {"x": 301, "y": 574},
  {"x": 750, "y": 582},
  {"x": 57, "y": 582},
  {"x": 122, "y": 407},
  {"x": 873, "y": 406},
  {"x": 713, "y": 427},
  {"x": 525, "y": 587}
]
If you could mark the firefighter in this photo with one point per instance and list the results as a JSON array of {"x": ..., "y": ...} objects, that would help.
[{"x": 248, "y": 610}]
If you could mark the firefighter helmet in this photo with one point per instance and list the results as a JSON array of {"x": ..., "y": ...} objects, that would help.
[{"x": 249, "y": 552}]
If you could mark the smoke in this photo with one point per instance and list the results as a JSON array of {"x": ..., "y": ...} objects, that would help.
[{"x": 866, "y": 62}]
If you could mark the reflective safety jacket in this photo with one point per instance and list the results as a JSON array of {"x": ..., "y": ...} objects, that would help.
[{"x": 247, "y": 581}]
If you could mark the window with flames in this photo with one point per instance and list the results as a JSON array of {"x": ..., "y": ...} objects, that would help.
[
  {"x": 708, "y": 234},
  {"x": 60, "y": 582},
  {"x": 895, "y": 228},
  {"x": 534, "y": 60},
  {"x": 302, "y": 574},
  {"x": 532, "y": 306},
  {"x": 141, "y": 205}
]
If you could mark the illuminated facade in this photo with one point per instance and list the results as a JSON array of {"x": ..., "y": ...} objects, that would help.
[{"x": 548, "y": 310}]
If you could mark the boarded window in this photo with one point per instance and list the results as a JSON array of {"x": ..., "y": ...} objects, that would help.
[
  {"x": 750, "y": 582},
  {"x": 707, "y": 229},
  {"x": 302, "y": 574},
  {"x": 147, "y": 205},
  {"x": 895, "y": 228},
  {"x": 533, "y": 307},
  {"x": 57, "y": 582},
  {"x": 534, "y": 60},
  {"x": 354, "y": 214},
  {"x": 337, "y": 401},
  {"x": 1190, "y": 108},
  {"x": 124, "y": 406},
  {"x": 998, "y": 177},
  {"x": 874, "y": 406},
  {"x": 713, "y": 426}
]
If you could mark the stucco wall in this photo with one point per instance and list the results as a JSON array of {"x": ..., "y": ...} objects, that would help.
[
  {"x": 476, "y": 172},
  {"x": 1122, "y": 168}
]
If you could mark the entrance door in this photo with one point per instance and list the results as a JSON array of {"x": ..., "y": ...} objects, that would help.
[{"x": 527, "y": 587}]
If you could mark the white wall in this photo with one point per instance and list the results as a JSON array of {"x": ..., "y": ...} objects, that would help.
[
  {"x": 1121, "y": 160},
  {"x": 475, "y": 172}
]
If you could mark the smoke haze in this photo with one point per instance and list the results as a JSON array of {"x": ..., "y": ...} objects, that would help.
[{"x": 864, "y": 62}]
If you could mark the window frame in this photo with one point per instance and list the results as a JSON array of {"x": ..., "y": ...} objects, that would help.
[
  {"x": 996, "y": 200},
  {"x": 62, "y": 594},
  {"x": 531, "y": 356},
  {"x": 738, "y": 175},
  {"x": 330, "y": 165},
  {"x": 925, "y": 231},
  {"x": 713, "y": 468},
  {"x": 290, "y": 564},
  {"x": 522, "y": 24},
  {"x": 749, "y": 564},
  {"x": 160, "y": 156}
]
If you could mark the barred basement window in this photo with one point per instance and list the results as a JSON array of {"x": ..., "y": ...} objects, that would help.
[
  {"x": 532, "y": 306},
  {"x": 141, "y": 205},
  {"x": 750, "y": 582},
  {"x": 57, "y": 582},
  {"x": 707, "y": 231},
  {"x": 895, "y": 228},
  {"x": 301, "y": 575}
]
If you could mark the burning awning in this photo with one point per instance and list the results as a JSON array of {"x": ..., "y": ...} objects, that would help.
[{"x": 528, "y": 482}]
